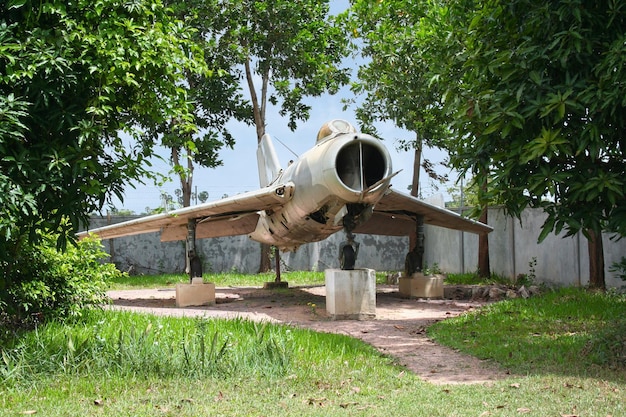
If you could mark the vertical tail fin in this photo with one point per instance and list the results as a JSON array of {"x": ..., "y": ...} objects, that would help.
[{"x": 269, "y": 167}]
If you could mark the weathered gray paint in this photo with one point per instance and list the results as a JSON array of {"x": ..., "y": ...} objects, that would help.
[{"x": 512, "y": 246}]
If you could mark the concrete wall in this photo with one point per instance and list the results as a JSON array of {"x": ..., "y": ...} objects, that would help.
[
  {"x": 512, "y": 247},
  {"x": 148, "y": 255}
]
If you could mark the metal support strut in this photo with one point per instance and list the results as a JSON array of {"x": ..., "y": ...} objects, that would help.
[
  {"x": 414, "y": 261},
  {"x": 193, "y": 260},
  {"x": 349, "y": 249}
]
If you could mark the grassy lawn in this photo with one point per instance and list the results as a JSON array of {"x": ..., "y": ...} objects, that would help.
[
  {"x": 295, "y": 278},
  {"x": 566, "y": 332},
  {"x": 563, "y": 350}
]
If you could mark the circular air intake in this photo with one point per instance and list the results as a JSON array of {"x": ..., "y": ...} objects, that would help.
[{"x": 360, "y": 165}]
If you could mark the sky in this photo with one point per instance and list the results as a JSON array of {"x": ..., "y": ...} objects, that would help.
[{"x": 239, "y": 170}]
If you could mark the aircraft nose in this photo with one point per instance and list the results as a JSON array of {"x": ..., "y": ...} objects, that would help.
[{"x": 360, "y": 165}]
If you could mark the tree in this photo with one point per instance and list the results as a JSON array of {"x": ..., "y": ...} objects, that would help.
[
  {"x": 463, "y": 196},
  {"x": 75, "y": 78},
  {"x": 203, "y": 196},
  {"x": 216, "y": 97},
  {"x": 400, "y": 82},
  {"x": 539, "y": 94},
  {"x": 287, "y": 51},
  {"x": 396, "y": 78}
]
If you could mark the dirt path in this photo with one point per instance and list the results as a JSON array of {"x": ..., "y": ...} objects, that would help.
[{"x": 398, "y": 329}]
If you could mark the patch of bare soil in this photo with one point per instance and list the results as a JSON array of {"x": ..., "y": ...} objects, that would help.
[{"x": 399, "y": 329}]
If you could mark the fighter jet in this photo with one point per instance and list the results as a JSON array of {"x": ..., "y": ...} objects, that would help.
[{"x": 342, "y": 183}]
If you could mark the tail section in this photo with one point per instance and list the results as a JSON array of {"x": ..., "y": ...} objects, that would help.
[{"x": 269, "y": 167}]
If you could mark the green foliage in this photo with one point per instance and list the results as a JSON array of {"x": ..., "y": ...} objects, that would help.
[
  {"x": 537, "y": 94},
  {"x": 395, "y": 82},
  {"x": 619, "y": 268},
  {"x": 71, "y": 369},
  {"x": 227, "y": 279},
  {"x": 528, "y": 97},
  {"x": 473, "y": 278},
  {"x": 293, "y": 47},
  {"x": 216, "y": 96},
  {"x": 397, "y": 78},
  {"x": 128, "y": 345},
  {"x": 545, "y": 334},
  {"x": 42, "y": 283},
  {"x": 76, "y": 77},
  {"x": 432, "y": 270},
  {"x": 463, "y": 195}
]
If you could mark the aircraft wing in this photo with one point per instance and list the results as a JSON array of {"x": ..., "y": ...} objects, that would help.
[
  {"x": 230, "y": 216},
  {"x": 394, "y": 215}
]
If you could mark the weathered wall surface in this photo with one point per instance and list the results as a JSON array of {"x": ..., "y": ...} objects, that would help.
[
  {"x": 512, "y": 248},
  {"x": 147, "y": 254}
]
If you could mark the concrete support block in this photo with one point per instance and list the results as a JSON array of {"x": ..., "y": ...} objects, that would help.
[
  {"x": 351, "y": 294},
  {"x": 197, "y": 294},
  {"x": 420, "y": 286}
]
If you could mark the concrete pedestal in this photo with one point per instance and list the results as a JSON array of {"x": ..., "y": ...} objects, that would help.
[
  {"x": 351, "y": 294},
  {"x": 420, "y": 286},
  {"x": 195, "y": 294}
]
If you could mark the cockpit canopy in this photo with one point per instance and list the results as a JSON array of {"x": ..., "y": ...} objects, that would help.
[{"x": 334, "y": 128}]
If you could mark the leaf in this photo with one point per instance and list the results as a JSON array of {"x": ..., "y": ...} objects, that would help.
[
  {"x": 535, "y": 77},
  {"x": 523, "y": 410},
  {"x": 317, "y": 401},
  {"x": 546, "y": 229},
  {"x": 16, "y": 4}
]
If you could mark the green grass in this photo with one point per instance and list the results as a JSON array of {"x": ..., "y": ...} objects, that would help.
[
  {"x": 124, "y": 344},
  {"x": 472, "y": 278},
  {"x": 295, "y": 278},
  {"x": 570, "y": 332},
  {"x": 123, "y": 364},
  {"x": 233, "y": 279}
]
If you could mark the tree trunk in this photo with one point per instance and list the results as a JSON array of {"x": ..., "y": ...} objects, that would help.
[
  {"x": 277, "y": 258},
  {"x": 483, "y": 256},
  {"x": 258, "y": 109},
  {"x": 186, "y": 180},
  {"x": 265, "y": 264},
  {"x": 596, "y": 260},
  {"x": 417, "y": 164},
  {"x": 484, "y": 269}
]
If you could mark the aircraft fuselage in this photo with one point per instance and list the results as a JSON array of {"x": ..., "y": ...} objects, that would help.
[{"x": 335, "y": 183}]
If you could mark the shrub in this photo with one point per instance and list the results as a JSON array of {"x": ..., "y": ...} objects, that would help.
[{"x": 43, "y": 282}]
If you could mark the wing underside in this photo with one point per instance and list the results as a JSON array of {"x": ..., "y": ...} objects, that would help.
[
  {"x": 394, "y": 215},
  {"x": 230, "y": 216}
]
